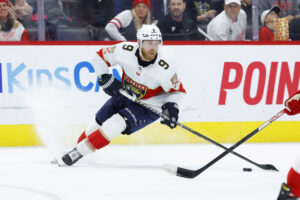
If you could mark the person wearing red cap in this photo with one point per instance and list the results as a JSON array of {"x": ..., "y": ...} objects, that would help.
[
  {"x": 124, "y": 26},
  {"x": 10, "y": 28},
  {"x": 291, "y": 190}
]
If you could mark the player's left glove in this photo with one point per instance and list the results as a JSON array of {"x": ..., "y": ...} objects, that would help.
[
  {"x": 171, "y": 111},
  {"x": 110, "y": 85},
  {"x": 293, "y": 105}
]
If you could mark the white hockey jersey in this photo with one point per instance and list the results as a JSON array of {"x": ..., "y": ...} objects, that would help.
[{"x": 154, "y": 84}]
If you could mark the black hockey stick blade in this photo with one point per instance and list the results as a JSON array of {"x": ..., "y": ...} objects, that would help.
[
  {"x": 188, "y": 173},
  {"x": 178, "y": 171},
  {"x": 269, "y": 167}
]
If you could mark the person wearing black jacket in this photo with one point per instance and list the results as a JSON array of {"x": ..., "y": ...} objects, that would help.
[{"x": 177, "y": 26}]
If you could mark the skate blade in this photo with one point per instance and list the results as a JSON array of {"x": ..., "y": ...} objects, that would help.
[{"x": 58, "y": 162}]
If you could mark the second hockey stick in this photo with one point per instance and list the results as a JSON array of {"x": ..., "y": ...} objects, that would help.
[
  {"x": 188, "y": 173},
  {"x": 262, "y": 166}
]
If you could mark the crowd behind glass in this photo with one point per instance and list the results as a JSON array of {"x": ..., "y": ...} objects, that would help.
[{"x": 102, "y": 20}]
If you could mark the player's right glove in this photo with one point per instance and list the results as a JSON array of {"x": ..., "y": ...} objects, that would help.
[
  {"x": 110, "y": 85},
  {"x": 170, "y": 110},
  {"x": 293, "y": 105}
]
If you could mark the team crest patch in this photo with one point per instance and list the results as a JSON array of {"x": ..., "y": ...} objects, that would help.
[
  {"x": 175, "y": 81},
  {"x": 109, "y": 50},
  {"x": 134, "y": 88}
]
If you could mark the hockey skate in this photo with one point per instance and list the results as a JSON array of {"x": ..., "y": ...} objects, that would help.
[
  {"x": 285, "y": 193},
  {"x": 71, "y": 157}
]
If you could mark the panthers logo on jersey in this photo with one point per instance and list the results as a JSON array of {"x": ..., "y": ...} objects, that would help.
[{"x": 134, "y": 88}]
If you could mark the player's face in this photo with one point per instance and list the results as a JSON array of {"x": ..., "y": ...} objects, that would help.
[
  {"x": 149, "y": 49},
  {"x": 232, "y": 10},
  {"x": 177, "y": 7},
  {"x": 141, "y": 10},
  {"x": 3, "y": 11}
]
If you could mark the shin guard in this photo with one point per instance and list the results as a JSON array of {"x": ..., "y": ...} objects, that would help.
[
  {"x": 93, "y": 126},
  {"x": 97, "y": 140}
]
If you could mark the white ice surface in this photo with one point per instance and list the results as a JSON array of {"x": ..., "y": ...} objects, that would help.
[{"x": 120, "y": 172}]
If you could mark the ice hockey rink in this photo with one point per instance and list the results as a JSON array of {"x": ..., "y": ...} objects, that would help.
[{"x": 133, "y": 172}]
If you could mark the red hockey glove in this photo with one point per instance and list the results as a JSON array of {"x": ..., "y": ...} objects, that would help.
[
  {"x": 293, "y": 104},
  {"x": 171, "y": 111}
]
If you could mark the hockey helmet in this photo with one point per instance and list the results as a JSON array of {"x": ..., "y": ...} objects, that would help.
[{"x": 148, "y": 32}]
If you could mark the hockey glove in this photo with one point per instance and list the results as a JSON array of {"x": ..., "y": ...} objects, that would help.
[
  {"x": 293, "y": 105},
  {"x": 171, "y": 111},
  {"x": 110, "y": 85}
]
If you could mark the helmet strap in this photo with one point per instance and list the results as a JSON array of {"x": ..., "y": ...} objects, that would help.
[
  {"x": 141, "y": 54},
  {"x": 140, "y": 42}
]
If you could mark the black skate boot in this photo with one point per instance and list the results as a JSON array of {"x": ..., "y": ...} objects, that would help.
[
  {"x": 71, "y": 157},
  {"x": 285, "y": 193}
]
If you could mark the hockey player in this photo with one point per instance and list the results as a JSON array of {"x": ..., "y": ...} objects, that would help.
[
  {"x": 147, "y": 75},
  {"x": 291, "y": 190}
]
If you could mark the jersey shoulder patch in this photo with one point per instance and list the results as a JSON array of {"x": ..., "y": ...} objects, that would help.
[
  {"x": 175, "y": 81},
  {"x": 109, "y": 50}
]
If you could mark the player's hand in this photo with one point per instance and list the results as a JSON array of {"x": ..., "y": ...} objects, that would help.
[
  {"x": 110, "y": 85},
  {"x": 171, "y": 111},
  {"x": 292, "y": 105}
]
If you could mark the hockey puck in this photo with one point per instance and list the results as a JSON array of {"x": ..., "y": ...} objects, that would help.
[{"x": 247, "y": 169}]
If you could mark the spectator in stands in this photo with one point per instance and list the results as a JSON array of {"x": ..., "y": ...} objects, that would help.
[
  {"x": 125, "y": 25},
  {"x": 22, "y": 10},
  {"x": 54, "y": 17},
  {"x": 229, "y": 24},
  {"x": 202, "y": 11},
  {"x": 97, "y": 12},
  {"x": 176, "y": 25},
  {"x": 287, "y": 7},
  {"x": 266, "y": 33},
  {"x": 10, "y": 28},
  {"x": 157, "y": 8},
  {"x": 268, "y": 20}
]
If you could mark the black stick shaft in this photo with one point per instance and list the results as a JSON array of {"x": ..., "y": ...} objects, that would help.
[
  {"x": 275, "y": 117},
  {"x": 266, "y": 167}
]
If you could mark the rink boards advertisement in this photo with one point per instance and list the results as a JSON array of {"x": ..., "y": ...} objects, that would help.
[{"x": 231, "y": 90}]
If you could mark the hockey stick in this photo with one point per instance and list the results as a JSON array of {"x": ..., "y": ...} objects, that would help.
[
  {"x": 187, "y": 173},
  {"x": 262, "y": 166}
]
